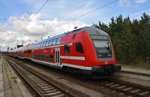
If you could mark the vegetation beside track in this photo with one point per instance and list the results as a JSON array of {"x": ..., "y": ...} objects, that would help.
[{"x": 131, "y": 38}]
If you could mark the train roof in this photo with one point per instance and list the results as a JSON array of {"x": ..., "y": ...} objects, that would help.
[
  {"x": 94, "y": 31},
  {"x": 90, "y": 30}
]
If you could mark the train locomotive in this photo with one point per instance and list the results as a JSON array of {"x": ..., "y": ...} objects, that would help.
[{"x": 87, "y": 49}]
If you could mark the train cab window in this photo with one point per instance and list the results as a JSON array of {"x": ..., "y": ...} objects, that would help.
[
  {"x": 66, "y": 49},
  {"x": 58, "y": 41},
  {"x": 79, "y": 48}
]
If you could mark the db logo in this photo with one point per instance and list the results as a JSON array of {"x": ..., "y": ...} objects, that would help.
[{"x": 106, "y": 62}]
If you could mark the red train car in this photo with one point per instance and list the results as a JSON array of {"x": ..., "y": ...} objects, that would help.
[{"x": 87, "y": 49}]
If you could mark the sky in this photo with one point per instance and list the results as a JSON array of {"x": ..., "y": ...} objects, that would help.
[{"x": 26, "y": 21}]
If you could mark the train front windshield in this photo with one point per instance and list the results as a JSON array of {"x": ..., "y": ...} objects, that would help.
[{"x": 103, "y": 47}]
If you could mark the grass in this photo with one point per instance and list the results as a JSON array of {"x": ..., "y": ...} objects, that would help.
[{"x": 138, "y": 63}]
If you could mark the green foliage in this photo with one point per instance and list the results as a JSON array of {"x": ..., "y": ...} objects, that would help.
[{"x": 131, "y": 39}]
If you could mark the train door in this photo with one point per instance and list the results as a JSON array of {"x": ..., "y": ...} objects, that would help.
[{"x": 57, "y": 56}]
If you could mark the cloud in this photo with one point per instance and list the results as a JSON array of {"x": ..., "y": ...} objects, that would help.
[
  {"x": 28, "y": 29},
  {"x": 140, "y": 1},
  {"x": 3, "y": 27},
  {"x": 130, "y": 3}
]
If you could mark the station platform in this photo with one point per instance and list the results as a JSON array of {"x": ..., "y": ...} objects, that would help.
[
  {"x": 144, "y": 71},
  {"x": 10, "y": 84},
  {"x": 1, "y": 79},
  {"x": 135, "y": 75}
]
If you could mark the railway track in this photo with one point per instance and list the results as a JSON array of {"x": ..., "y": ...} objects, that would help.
[
  {"x": 41, "y": 86},
  {"x": 117, "y": 88},
  {"x": 111, "y": 87}
]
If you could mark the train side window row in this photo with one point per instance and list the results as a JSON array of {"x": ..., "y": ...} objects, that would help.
[
  {"x": 44, "y": 57},
  {"x": 79, "y": 48},
  {"x": 27, "y": 51},
  {"x": 46, "y": 43},
  {"x": 66, "y": 49}
]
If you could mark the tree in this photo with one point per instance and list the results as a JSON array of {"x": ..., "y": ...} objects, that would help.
[{"x": 131, "y": 39}]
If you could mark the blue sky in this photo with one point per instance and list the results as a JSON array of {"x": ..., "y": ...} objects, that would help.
[
  {"x": 69, "y": 9},
  {"x": 19, "y": 23}
]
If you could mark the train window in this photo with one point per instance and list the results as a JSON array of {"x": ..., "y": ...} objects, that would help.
[
  {"x": 66, "y": 49},
  {"x": 55, "y": 40},
  {"x": 99, "y": 37},
  {"x": 51, "y": 41},
  {"x": 42, "y": 44},
  {"x": 47, "y": 43},
  {"x": 38, "y": 45},
  {"x": 29, "y": 51},
  {"x": 51, "y": 58},
  {"x": 25, "y": 51},
  {"x": 79, "y": 48},
  {"x": 58, "y": 41}
]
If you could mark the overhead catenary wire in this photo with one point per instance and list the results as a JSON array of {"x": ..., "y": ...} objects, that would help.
[
  {"x": 91, "y": 11},
  {"x": 39, "y": 9}
]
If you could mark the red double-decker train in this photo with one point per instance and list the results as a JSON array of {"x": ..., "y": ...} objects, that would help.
[{"x": 88, "y": 50}]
